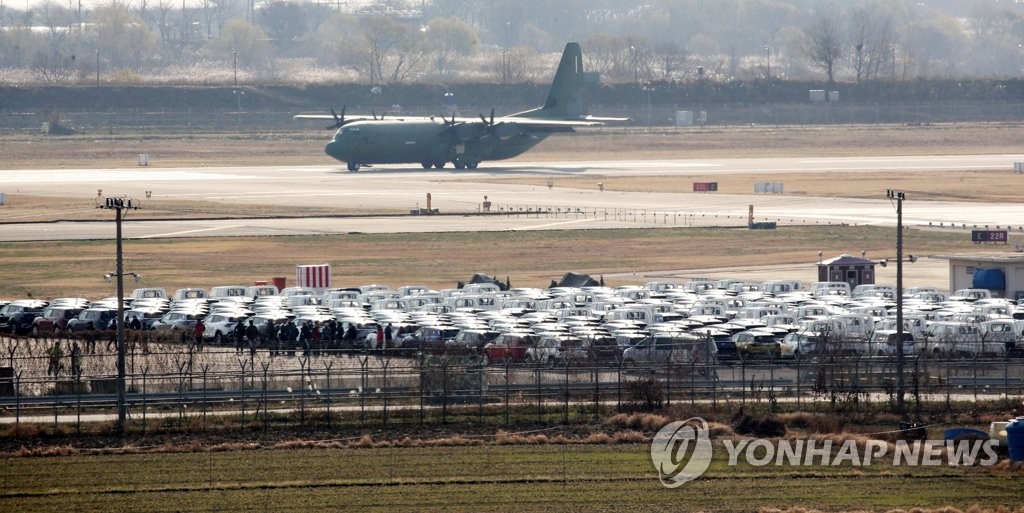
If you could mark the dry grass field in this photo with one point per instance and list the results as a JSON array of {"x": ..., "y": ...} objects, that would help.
[{"x": 438, "y": 260}]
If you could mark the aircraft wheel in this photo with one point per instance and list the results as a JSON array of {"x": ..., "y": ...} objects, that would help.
[
  {"x": 472, "y": 164},
  {"x": 459, "y": 164},
  {"x": 439, "y": 164},
  {"x": 352, "y": 166},
  {"x": 426, "y": 165}
]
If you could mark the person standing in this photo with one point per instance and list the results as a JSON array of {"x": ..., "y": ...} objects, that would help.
[
  {"x": 380, "y": 337},
  {"x": 252, "y": 333},
  {"x": 198, "y": 331},
  {"x": 389, "y": 337},
  {"x": 76, "y": 361},
  {"x": 239, "y": 335},
  {"x": 55, "y": 353}
]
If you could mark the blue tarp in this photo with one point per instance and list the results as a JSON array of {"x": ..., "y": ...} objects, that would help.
[{"x": 992, "y": 279}]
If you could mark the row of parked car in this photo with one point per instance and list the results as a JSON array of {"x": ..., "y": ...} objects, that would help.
[{"x": 700, "y": 321}]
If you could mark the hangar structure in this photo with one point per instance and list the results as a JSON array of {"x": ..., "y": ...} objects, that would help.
[{"x": 1000, "y": 272}]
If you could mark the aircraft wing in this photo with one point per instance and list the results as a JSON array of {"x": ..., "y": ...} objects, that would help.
[{"x": 328, "y": 117}]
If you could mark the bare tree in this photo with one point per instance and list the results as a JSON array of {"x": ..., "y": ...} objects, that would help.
[
  {"x": 394, "y": 50},
  {"x": 823, "y": 45},
  {"x": 871, "y": 39},
  {"x": 451, "y": 40},
  {"x": 668, "y": 60}
]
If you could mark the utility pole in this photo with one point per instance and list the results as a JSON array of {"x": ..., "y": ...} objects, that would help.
[
  {"x": 898, "y": 197},
  {"x": 118, "y": 205}
]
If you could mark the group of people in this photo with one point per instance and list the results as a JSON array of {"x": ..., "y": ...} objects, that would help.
[
  {"x": 56, "y": 353},
  {"x": 287, "y": 337}
]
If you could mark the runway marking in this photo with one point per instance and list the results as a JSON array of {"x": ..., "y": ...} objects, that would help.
[
  {"x": 173, "y": 234},
  {"x": 537, "y": 226}
]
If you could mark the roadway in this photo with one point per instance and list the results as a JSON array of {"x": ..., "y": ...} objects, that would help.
[{"x": 394, "y": 188}]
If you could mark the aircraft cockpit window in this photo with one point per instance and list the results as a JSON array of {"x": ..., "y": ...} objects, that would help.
[{"x": 353, "y": 129}]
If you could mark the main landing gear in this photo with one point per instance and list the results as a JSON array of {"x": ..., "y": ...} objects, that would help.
[
  {"x": 463, "y": 164},
  {"x": 353, "y": 166}
]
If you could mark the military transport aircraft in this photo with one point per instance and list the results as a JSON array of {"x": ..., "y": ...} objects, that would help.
[{"x": 465, "y": 142}]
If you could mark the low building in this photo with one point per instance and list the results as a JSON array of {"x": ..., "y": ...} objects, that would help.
[
  {"x": 852, "y": 270},
  {"x": 1000, "y": 272}
]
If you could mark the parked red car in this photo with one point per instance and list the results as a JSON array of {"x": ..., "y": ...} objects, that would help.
[
  {"x": 54, "y": 320},
  {"x": 509, "y": 346}
]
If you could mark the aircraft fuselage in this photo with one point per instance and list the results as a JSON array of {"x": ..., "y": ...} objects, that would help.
[{"x": 427, "y": 142}]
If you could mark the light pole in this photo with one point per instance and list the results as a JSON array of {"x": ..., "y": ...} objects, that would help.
[
  {"x": 234, "y": 59},
  {"x": 97, "y": 67},
  {"x": 504, "y": 66},
  {"x": 898, "y": 197},
  {"x": 118, "y": 205},
  {"x": 768, "y": 61}
]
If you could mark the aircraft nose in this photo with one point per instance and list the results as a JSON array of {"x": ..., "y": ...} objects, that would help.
[{"x": 334, "y": 149}]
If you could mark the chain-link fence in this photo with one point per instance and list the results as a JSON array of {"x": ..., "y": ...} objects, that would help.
[{"x": 173, "y": 386}]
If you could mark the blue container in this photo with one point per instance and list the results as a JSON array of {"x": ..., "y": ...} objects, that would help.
[
  {"x": 954, "y": 433},
  {"x": 1015, "y": 439}
]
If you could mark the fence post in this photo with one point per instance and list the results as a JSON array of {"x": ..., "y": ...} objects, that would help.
[
  {"x": 364, "y": 383},
  {"x": 597, "y": 391},
  {"x": 17, "y": 400},
  {"x": 56, "y": 377},
  {"x": 507, "y": 363},
  {"x": 422, "y": 377},
  {"x": 78, "y": 393},
  {"x": 266, "y": 405},
  {"x": 327, "y": 370},
  {"x": 241, "y": 388},
  {"x": 181, "y": 391},
  {"x": 565, "y": 409},
  {"x": 480, "y": 397},
  {"x": 145, "y": 372},
  {"x": 444, "y": 391},
  {"x": 974, "y": 379},
  {"x": 206, "y": 370},
  {"x": 618, "y": 380},
  {"x": 303, "y": 361},
  {"x": 743, "y": 380},
  {"x": 387, "y": 362},
  {"x": 693, "y": 384},
  {"x": 540, "y": 407},
  {"x": 799, "y": 357}
]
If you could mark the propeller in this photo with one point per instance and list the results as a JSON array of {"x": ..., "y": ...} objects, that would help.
[
  {"x": 500, "y": 130},
  {"x": 488, "y": 123},
  {"x": 339, "y": 121}
]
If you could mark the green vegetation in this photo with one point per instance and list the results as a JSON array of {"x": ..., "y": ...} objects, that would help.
[{"x": 476, "y": 477}]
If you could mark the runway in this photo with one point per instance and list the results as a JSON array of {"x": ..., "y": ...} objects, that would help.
[{"x": 459, "y": 195}]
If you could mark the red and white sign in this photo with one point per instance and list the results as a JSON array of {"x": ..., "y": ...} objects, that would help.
[{"x": 313, "y": 276}]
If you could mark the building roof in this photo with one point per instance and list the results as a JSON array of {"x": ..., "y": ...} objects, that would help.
[
  {"x": 847, "y": 260},
  {"x": 985, "y": 256}
]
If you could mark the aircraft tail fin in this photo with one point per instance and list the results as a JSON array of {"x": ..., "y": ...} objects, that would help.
[{"x": 565, "y": 97}]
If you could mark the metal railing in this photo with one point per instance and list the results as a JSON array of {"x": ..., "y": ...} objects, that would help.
[{"x": 177, "y": 387}]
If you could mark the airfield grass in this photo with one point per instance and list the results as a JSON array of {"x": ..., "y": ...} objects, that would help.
[
  {"x": 437, "y": 260},
  {"x": 482, "y": 477}
]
